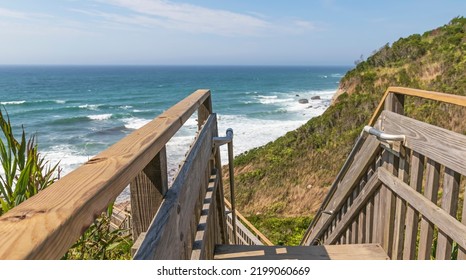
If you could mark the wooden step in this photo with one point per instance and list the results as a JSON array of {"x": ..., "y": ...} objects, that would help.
[{"x": 326, "y": 252}]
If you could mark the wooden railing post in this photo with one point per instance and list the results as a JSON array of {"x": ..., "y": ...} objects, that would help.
[
  {"x": 147, "y": 192},
  {"x": 203, "y": 112},
  {"x": 395, "y": 103}
]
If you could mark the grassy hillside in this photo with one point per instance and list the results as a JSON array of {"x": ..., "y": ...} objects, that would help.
[{"x": 290, "y": 176}]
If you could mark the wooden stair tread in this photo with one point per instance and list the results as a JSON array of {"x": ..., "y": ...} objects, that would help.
[{"x": 325, "y": 252}]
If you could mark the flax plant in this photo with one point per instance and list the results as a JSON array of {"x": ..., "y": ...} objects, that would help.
[{"x": 25, "y": 170}]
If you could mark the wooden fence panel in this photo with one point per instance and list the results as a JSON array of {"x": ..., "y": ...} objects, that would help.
[
  {"x": 428, "y": 209},
  {"x": 147, "y": 191}
]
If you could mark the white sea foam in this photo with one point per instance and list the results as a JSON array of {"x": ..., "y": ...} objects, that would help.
[
  {"x": 250, "y": 133},
  {"x": 274, "y": 100},
  {"x": 60, "y": 101},
  {"x": 126, "y": 107},
  {"x": 13, "y": 102},
  {"x": 135, "y": 123},
  {"x": 68, "y": 158},
  {"x": 92, "y": 107},
  {"x": 100, "y": 117}
]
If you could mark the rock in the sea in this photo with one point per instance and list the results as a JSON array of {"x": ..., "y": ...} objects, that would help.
[
  {"x": 315, "y": 97},
  {"x": 303, "y": 101}
]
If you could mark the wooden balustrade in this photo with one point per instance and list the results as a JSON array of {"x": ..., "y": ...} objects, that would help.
[
  {"x": 404, "y": 196},
  {"x": 173, "y": 230},
  {"x": 46, "y": 225},
  {"x": 407, "y": 200}
]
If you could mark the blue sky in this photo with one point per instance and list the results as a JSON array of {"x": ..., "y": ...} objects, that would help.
[{"x": 210, "y": 32}]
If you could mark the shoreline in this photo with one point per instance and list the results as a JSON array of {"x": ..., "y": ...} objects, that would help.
[{"x": 123, "y": 200}]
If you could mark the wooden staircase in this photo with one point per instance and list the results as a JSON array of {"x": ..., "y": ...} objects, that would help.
[{"x": 396, "y": 197}]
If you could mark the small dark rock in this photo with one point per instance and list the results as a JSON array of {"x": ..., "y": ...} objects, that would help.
[
  {"x": 303, "y": 101},
  {"x": 315, "y": 97},
  {"x": 297, "y": 95}
]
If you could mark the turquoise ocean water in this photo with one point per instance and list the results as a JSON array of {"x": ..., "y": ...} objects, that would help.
[{"x": 78, "y": 111}]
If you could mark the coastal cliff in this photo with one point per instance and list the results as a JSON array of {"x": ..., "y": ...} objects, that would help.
[{"x": 290, "y": 176}]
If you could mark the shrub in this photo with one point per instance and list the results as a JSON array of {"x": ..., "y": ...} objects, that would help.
[{"x": 25, "y": 171}]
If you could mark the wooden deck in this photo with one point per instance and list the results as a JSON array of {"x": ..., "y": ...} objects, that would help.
[{"x": 326, "y": 252}]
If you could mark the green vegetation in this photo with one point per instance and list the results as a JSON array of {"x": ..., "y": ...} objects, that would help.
[
  {"x": 282, "y": 231},
  {"x": 290, "y": 176},
  {"x": 101, "y": 242},
  {"x": 25, "y": 171}
]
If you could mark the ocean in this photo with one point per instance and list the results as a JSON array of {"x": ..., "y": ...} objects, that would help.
[{"x": 78, "y": 111}]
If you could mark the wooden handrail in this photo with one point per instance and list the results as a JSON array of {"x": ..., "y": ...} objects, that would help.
[
  {"x": 431, "y": 95},
  {"x": 243, "y": 220},
  {"x": 46, "y": 225}
]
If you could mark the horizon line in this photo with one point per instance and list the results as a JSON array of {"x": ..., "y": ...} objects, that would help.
[{"x": 175, "y": 65}]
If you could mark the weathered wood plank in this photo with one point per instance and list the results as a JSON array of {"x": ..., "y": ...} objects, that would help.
[
  {"x": 451, "y": 187},
  {"x": 46, "y": 225},
  {"x": 431, "y": 193},
  {"x": 354, "y": 226},
  {"x": 170, "y": 230},
  {"x": 400, "y": 214},
  {"x": 359, "y": 202},
  {"x": 361, "y": 237},
  {"x": 326, "y": 252},
  {"x": 147, "y": 191},
  {"x": 376, "y": 234},
  {"x": 443, "y": 146},
  {"x": 430, "y": 211},
  {"x": 362, "y": 160},
  {"x": 369, "y": 221},
  {"x": 412, "y": 216},
  {"x": 388, "y": 216}
]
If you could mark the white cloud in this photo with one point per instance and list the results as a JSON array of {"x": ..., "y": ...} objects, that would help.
[
  {"x": 12, "y": 14},
  {"x": 304, "y": 24},
  {"x": 190, "y": 18}
]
